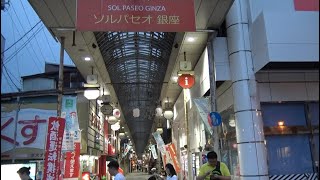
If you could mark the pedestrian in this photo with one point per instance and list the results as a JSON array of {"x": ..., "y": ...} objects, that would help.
[
  {"x": 24, "y": 173},
  {"x": 113, "y": 169},
  {"x": 171, "y": 173},
  {"x": 213, "y": 169}
]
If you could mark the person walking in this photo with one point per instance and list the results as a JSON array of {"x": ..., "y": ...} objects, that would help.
[
  {"x": 171, "y": 173},
  {"x": 24, "y": 173},
  {"x": 113, "y": 169},
  {"x": 213, "y": 169}
]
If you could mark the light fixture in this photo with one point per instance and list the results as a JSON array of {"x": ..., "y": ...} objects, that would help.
[
  {"x": 175, "y": 78},
  {"x": 168, "y": 113},
  {"x": 280, "y": 123},
  {"x": 160, "y": 130},
  {"x": 232, "y": 122},
  {"x": 191, "y": 39},
  {"x": 112, "y": 120},
  {"x": 159, "y": 110},
  {"x": 116, "y": 126},
  {"x": 121, "y": 135},
  {"x": 91, "y": 93},
  {"x": 87, "y": 58}
]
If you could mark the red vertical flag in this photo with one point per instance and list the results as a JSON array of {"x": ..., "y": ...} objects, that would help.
[
  {"x": 72, "y": 166},
  {"x": 53, "y": 148}
]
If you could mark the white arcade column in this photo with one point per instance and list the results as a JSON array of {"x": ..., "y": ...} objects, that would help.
[{"x": 249, "y": 126}]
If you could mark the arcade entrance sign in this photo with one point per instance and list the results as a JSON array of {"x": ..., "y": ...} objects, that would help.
[{"x": 135, "y": 15}]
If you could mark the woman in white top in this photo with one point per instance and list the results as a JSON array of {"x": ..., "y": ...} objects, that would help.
[{"x": 171, "y": 173}]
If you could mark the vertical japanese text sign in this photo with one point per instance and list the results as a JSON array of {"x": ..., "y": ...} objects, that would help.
[
  {"x": 53, "y": 148},
  {"x": 72, "y": 167},
  {"x": 137, "y": 15}
]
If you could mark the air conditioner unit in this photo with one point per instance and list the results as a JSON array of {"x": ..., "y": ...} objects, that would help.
[{"x": 92, "y": 79}]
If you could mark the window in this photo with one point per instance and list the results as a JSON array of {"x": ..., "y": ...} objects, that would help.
[{"x": 289, "y": 154}]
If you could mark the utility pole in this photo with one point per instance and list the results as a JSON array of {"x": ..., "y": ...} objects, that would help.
[
  {"x": 60, "y": 83},
  {"x": 15, "y": 129}
]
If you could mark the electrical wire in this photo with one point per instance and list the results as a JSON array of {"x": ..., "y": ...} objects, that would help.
[
  {"x": 15, "y": 49},
  {"x": 43, "y": 58},
  {"x": 5, "y": 68},
  {"x": 54, "y": 57},
  {"x": 27, "y": 48},
  {"x": 21, "y": 37},
  {"x": 23, "y": 45},
  {"x": 31, "y": 26}
]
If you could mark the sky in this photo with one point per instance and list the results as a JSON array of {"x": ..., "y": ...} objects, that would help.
[{"x": 28, "y": 55}]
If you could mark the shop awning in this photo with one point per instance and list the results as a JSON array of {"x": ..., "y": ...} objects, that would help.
[{"x": 204, "y": 107}]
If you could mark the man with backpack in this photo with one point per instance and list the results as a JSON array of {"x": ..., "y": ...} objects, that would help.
[{"x": 213, "y": 169}]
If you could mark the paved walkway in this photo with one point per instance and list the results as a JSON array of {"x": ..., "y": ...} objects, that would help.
[{"x": 138, "y": 176}]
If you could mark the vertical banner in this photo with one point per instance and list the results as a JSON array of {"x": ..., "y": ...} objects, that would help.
[
  {"x": 69, "y": 112},
  {"x": 72, "y": 165},
  {"x": 126, "y": 150},
  {"x": 160, "y": 143},
  {"x": 171, "y": 157},
  {"x": 154, "y": 152},
  {"x": 53, "y": 148}
]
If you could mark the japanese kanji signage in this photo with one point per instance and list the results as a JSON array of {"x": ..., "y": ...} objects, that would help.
[
  {"x": 71, "y": 132},
  {"x": 135, "y": 15},
  {"x": 53, "y": 148},
  {"x": 171, "y": 157},
  {"x": 31, "y": 126},
  {"x": 186, "y": 81},
  {"x": 72, "y": 167}
]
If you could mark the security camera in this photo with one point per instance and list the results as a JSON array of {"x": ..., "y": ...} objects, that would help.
[
  {"x": 94, "y": 45},
  {"x": 176, "y": 45}
]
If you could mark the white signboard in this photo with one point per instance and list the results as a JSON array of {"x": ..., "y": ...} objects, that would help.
[{"x": 31, "y": 128}]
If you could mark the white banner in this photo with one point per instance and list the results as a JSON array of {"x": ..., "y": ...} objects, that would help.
[
  {"x": 154, "y": 152},
  {"x": 69, "y": 112},
  {"x": 126, "y": 150},
  {"x": 160, "y": 143},
  {"x": 31, "y": 128}
]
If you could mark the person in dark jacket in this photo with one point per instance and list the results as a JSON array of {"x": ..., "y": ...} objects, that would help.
[{"x": 24, "y": 173}]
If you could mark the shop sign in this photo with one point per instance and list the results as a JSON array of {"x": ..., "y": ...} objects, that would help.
[
  {"x": 171, "y": 157},
  {"x": 31, "y": 126},
  {"x": 95, "y": 122},
  {"x": 138, "y": 15},
  {"x": 85, "y": 176},
  {"x": 53, "y": 148},
  {"x": 306, "y": 5},
  {"x": 186, "y": 81},
  {"x": 72, "y": 167}
]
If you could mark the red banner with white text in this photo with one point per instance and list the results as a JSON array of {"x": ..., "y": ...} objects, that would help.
[
  {"x": 53, "y": 148},
  {"x": 72, "y": 165},
  {"x": 136, "y": 15},
  {"x": 171, "y": 157}
]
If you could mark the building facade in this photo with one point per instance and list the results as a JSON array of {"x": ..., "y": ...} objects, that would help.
[{"x": 266, "y": 69}]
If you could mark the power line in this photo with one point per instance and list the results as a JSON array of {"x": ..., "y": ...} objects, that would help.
[
  {"x": 30, "y": 26},
  {"x": 21, "y": 37},
  {"x": 15, "y": 49},
  {"x": 27, "y": 48},
  {"x": 54, "y": 57},
  {"x": 5, "y": 68},
  {"x": 23, "y": 45}
]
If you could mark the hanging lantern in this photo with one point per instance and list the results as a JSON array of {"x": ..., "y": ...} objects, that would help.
[
  {"x": 159, "y": 111},
  {"x": 116, "y": 113},
  {"x": 136, "y": 112},
  {"x": 112, "y": 120},
  {"x": 115, "y": 127}
]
